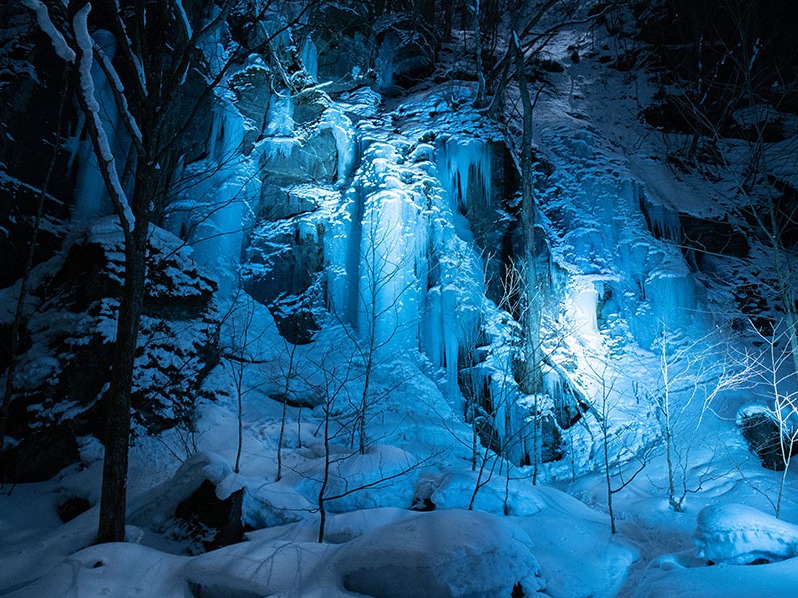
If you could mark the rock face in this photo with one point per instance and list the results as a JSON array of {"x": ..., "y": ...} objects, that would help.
[
  {"x": 35, "y": 123},
  {"x": 64, "y": 370},
  {"x": 763, "y": 436},
  {"x": 40, "y": 455},
  {"x": 713, "y": 236},
  {"x": 405, "y": 51},
  {"x": 211, "y": 521},
  {"x": 344, "y": 30}
]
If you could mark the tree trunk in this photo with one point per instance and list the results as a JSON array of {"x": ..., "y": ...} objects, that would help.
[
  {"x": 117, "y": 433},
  {"x": 531, "y": 314},
  {"x": 326, "y": 478}
]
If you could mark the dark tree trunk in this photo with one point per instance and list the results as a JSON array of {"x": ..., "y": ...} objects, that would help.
[{"x": 117, "y": 432}]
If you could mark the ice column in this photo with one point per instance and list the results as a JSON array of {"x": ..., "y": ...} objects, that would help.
[
  {"x": 464, "y": 165},
  {"x": 310, "y": 58},
  {"x": 222, "y": 197}
]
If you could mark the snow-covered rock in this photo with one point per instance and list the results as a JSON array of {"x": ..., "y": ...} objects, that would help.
[
  {"x": 740, "y": 535},
  {"x": 440, "y": 555}
]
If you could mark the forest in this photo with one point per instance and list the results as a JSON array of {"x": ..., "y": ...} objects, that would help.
[{"x": 398, "y": 298}]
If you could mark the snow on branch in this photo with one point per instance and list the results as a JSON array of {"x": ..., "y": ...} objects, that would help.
[
  {"x": 46, "y": 25},
  {"x": 102, "y": 147},
  {"x": 119, "y": 96},
  {"x": 184, "y": 18}
]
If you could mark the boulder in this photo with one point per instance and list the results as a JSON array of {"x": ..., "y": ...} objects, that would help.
[
  {"x": 441, "y": 554},
  {"x": 292, "y": 160},
  {"x": 741, "y": 535},
  {"x": 210, "y": 521},
  {"x": 762, "y": 433}
]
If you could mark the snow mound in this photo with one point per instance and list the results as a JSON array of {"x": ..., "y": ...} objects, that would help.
[
  {"x": 440, "y": 554},
  {"x": 668, "y": 576},
  {"x": 123, "y": 570},
  {"x": 738, "y": 535},
  {"x": 454, "y": 490}
]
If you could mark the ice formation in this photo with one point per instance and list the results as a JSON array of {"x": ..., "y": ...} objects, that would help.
[
  {"x": 91, "y": 196},
  {"x": 310, "y": 58},
  {"x": 212, "y": 211}
]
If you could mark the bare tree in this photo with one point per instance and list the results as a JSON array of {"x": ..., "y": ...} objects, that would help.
[
  {"x": 774, "y": 371},
  {"x": 690, "y": 375},
  {"x": 386, "y": 277},
  {"x": 602, "y": 371},
  {"x": 337, "y": 372}
]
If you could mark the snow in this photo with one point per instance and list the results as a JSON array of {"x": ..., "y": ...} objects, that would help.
[
  {"x": 739, "y": 535},
  {"x": 60, "y": 45},
  {"x": 439, "y": 554}
]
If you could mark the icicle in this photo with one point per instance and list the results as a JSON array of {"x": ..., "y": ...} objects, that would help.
[
  {"x": 217, "y": 204},
  {"x": 310, "y": 58},
  {"x": 663, "y": 221},
  {"x": 390, "y": 303},
  {"x": 342, "y": 254},
  {"x": 672, "y": 296},
  {"x": 465, "y": 171},
  {"x": 584, "y": 302}
]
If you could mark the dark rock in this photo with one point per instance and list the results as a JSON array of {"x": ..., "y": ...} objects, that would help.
[
  {"x": 286, "y": 260},
  {"x": 424, "y": 505},
  {"x": 72, "y": 507},
  {"x": 309, "y": 106},
  {"x": 762, "y": 434},
  {"x": 314, "y": 159},
  {"x": 713, "y": 236},
  {"x": 214, "y": 522},
  {"x": 18, "y": 205},
  {"x": 671, "y": 116},
  {"x": 342, "y": 32},
  {"x": 295, "y": 319},
  {"x": 66, "y": 348},
  {"x": 405, "y": 51},
  {"x": 30, "y": 101},
  {"x": 252, "y": 87},
  {"x": 548, "y": 65},
  {"x": 626, "y": 61},
  {"x": 40, "y": 455}
]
